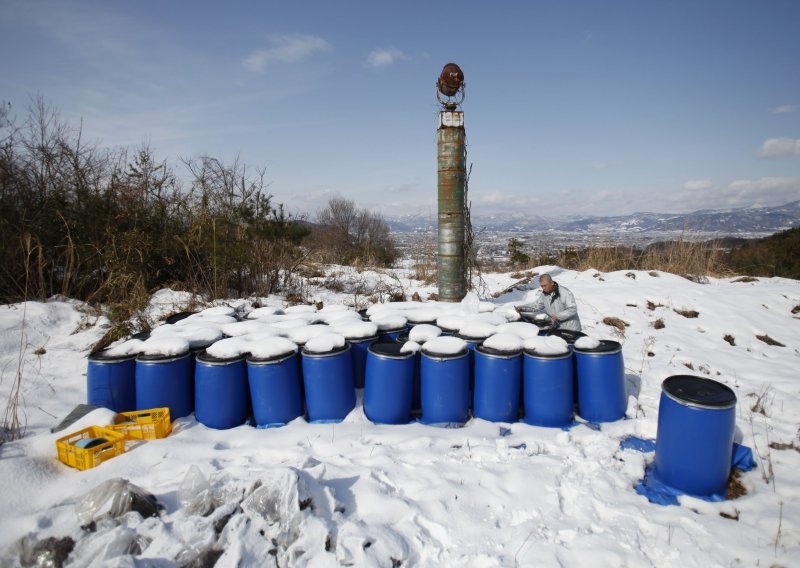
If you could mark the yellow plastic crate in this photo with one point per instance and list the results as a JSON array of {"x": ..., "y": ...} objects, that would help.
[
  {"x": 87, "y": 458},
  {"x": 149, "y": 424}
]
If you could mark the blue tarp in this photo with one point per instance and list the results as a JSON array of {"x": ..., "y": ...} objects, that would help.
[{"x": 661, "y": 494}]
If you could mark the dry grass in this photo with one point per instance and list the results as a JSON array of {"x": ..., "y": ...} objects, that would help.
[
  {"x": 686, "y": 313},
  {"x": 735, "y": 488},
  {"x": 694, "y": 260},
  {"x": 617, "y": 323},
  {"x": 730, "y": 339},
  {"x": 769, "y": 341},
  {"x": 659, "y": 324}
]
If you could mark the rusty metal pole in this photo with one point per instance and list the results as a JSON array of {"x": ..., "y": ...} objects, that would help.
[
  {"x": 450, "y": 140},
  {"x": 451, "y": 146}
]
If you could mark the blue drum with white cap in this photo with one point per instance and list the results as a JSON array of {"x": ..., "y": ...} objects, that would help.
[
  {"x": 165, "y": 381},
  {"x": 694, "y": 443},
  {"x": 111, "y": 381},
  {"x": 275, "y": 388},
  {"x": 389, "y": 383},
  {"x": 329, "y": 385},
  {"x": 221, "y": 393},
  {"x": 444, "y": 381}
]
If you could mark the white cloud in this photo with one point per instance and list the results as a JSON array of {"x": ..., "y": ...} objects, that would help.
[
  {"x": 285, "y": 49},
  {"x": 764, "y": 184},
  {"x": 384, "y": 57},
  {"x": 697, "y": 184},
  {"x": 780, "y": 147},
  {"x": 784, "y": 108}
]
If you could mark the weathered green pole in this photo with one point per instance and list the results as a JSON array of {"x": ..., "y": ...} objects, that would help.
[{"x": 450, "y": 140}]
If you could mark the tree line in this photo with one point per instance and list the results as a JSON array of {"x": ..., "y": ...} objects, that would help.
[{"x": 110, "y": 226}]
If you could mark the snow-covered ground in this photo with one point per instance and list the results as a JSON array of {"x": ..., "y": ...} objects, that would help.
[{"x": 488, "y": 494}]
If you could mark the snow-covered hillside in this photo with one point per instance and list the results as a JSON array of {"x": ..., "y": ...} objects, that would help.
[{"x": 488, "y": 494}]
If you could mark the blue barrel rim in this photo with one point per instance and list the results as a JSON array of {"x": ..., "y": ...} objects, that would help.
[
  {"x": 336, "y": 351},
  {"x": 703, "y": 400},
  {"x": 272, "y": 360},
  {"x": 606, "y": 347},
  {"x": 447, "y": 356},
  {"x": 553, "y": 357},
  {"x": 390, "y": 347},
  {"x": 102, "y": 357},
  {"x": 495, "y": 353},
  {"x": 361, "y": 339},
  {"x": 568, "y": 335},
  {"x": 206, "y": 358},
  {"x": 471, "y": 338},
  {"x": 160, "y": 358},
  {"x": 392, "y": 330}
]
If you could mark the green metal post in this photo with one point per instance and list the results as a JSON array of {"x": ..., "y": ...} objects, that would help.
[{"x": 452, "y": 176}]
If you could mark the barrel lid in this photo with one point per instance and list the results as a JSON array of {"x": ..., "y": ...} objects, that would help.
[
  {"x": 272, "y": 358},
  {"x": 498, "y": 352},
  {"x": 389, "y": 349},
  {"x": 104, "y": 356},
  {"x": 334, "y": 351},
  {"x": 568, "y": 335},
  {"x": 160, "y": 357},
  {"x": 402, "y": 338},
  {"x": 536, "y": 354},
  {"x": 437, "y": 355},
  {"x": 174, "y": 318},
  {"x": 206, "y": 357},
  {"x": 698, "y": 391},
  {"x": 606, "y": 346},
  {"x": 468, "y": 339}
]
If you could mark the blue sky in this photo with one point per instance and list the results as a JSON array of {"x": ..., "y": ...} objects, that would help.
[{"x": 571, "y": 107}]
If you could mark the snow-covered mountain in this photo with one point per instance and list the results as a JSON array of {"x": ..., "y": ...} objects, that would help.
[{"x": 723, "y": 221}]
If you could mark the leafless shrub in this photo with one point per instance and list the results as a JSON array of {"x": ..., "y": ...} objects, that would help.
[{"x": 659, "y": 323}]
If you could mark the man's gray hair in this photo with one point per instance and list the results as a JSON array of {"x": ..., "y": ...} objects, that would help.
[{"x": 545, "y": 278}]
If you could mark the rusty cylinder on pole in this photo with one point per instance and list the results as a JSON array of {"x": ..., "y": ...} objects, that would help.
[{"x": 451, "y": 138}]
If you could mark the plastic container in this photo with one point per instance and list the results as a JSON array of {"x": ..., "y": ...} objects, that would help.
[
  {"x": 444, "y": 388},
  {"x": 358, "y": 352},
  {"x": 694, "y": 444},
  {"x": 497, "y": 384},
  {"x": 102, "y": 445},
  {"x": 329, "y": 385},
  {"x": 149, "y": 424},
  {"x": 601, "y": 382},
  {"x": 111, "y": 381},
  {"x": 389, "y": 385},
  {"x": 165, "y": 381},
  {"x": 221, "y": 391},
  {"x": 275, "y": 389},
  {"x": 547, "y": 389}
]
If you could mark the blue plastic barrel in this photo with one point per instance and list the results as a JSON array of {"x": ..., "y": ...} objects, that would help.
[
  {"x": 472, "y": 344},
  {"x": 547, "y": 389},
  {"x": 111, "y": 381},
  {"x": 275, "y": 389},
  {"x": 329, "y": 385},
  {"x": 358, "y": 352},
  {"x": 389, "y": 383},
  {"x": 601, "y": 382},
  {"x": 497, "y": 384},
  {"x": 221, "y": 393},
  {"x": 165, "y": 381},
  {"x": 694, "y": 443},
  {"x": 444, "y": 388}
]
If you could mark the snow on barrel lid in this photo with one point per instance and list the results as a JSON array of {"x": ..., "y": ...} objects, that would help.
[
  {"x": 356, "y": 329},
  {"x": 587, "y": 343},
  {"x": 389, "y": 321},
  {"x": 166, "y": 345},
  {"x": 247, "y": 327},
  {"x": 129, "y": 347},
  {"x": 272, "y": 348},
  {"x": 546, "y": 346},
  {"x": 289, "y": 323},
  {"x": 477, "y": 330},
  {"x": 421, "y": 315},
  {"x": 444, "y": 345},
  {"x": 337, "y": 316},
  {"x": 193, "y": 319},
  {"x": 325, "y": 343},
  {"x": 301, "y": 335},
  {"x": 264, "y": 311},
  {"x": 229, "y": 348},
  {"x": 490, "y": 317},
  {"x": 521, "y": 329},
  {"x": 300, "y": 309},
  {"x": 451, "y": 321},
  {"x": 424, "y": 332},
  {"x": 410, "y": 347},
  {"x": 217, "y": 311},
  {"x": 504, "y": 342}
]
